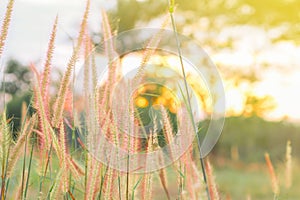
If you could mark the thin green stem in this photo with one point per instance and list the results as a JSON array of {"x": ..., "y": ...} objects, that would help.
[
  {"x": 6, "y": 188},
  {"x": 24, "y": 164},
  {"x": 171, "y": 10},
  {"x": 46, "y": 167},
  {"x": 135, "y": 186},
  {"x": 25, "y": 150},
  {"x": 102, "y": 182},
  {"x": 119, "y": 187},
  {"x": 29, "y": 169}
]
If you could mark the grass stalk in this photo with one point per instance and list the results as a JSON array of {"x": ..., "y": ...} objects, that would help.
[
  {"x": 5, "y": 25},
  {"x": 6, "y": 141},
  {"x": 171, "y": 11},
  {"x": 288, "y": 166},
  {"x": 163, "y": 180},
  {"x": 273, "y": 177},
  {"x": 23, "y": 170},
  {"x": 61, "y": 97},
  {"x": 46, "y": 168},
  {"x": 211, "y": 182},
  {"x": 135, "y": 186},
  {"x": 29, "y": 170}
]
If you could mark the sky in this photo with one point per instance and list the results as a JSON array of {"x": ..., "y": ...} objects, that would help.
[{"x": 32, "y": 21}]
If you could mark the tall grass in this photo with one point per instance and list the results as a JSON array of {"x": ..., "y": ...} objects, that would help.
[{"x": 42, "y": 163}]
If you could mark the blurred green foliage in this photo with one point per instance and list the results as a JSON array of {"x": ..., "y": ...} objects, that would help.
[
  {"x": 17, "y": 78},
  {"x": 16, "y": 83},
  {"x": 267, "y": 13},
  {"x": 253, "y": 136}
]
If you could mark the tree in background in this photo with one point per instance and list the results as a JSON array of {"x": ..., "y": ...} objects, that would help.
[
  {"x": 16, "y": 84},
  {"x": 268, "y": 13}
]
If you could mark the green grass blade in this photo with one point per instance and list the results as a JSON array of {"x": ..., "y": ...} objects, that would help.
[
  {"x": 29, "y": 170},
  {"x": 171, "y": 3}
]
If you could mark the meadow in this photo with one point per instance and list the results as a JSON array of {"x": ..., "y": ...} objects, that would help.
[{"x": 82, "y": 137}]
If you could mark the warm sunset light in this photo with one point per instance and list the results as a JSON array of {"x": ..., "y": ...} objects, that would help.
[
  {"x": 149, "y": 99},
  {"x": 236, "y": 96},
  {"x": 156, "y": 96}
]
